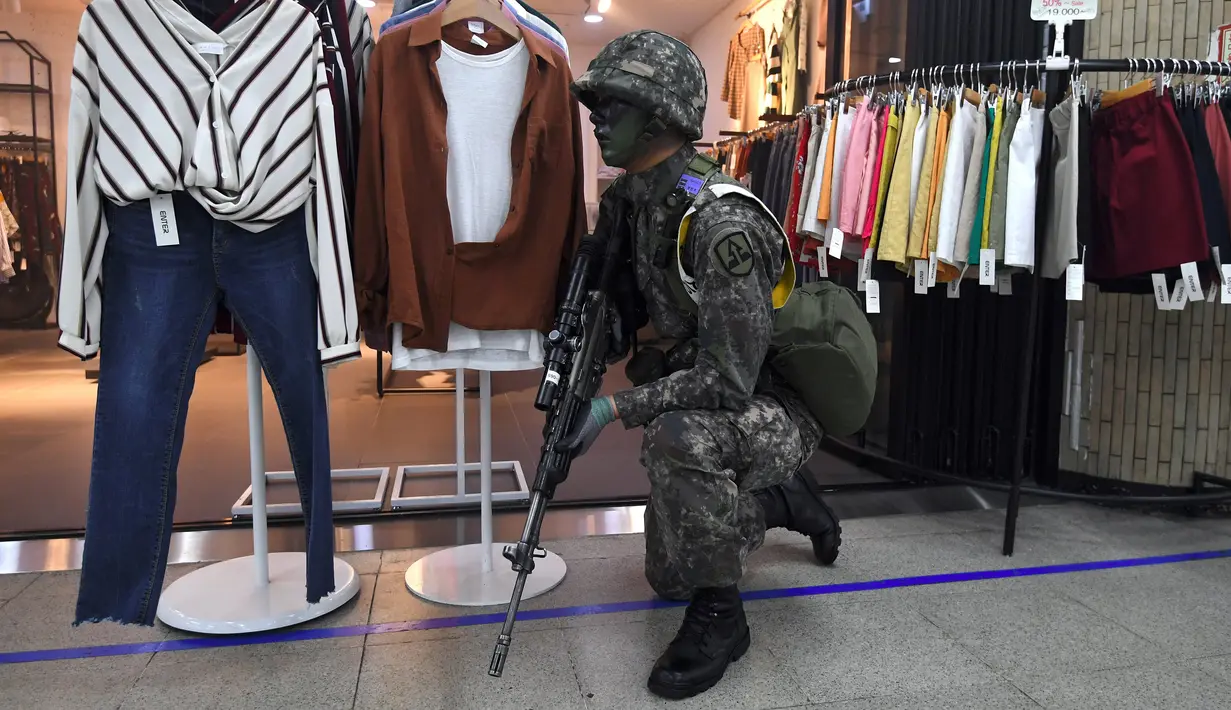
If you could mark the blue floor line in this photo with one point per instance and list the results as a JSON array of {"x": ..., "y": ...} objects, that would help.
[{"x": 203, "y": 642}]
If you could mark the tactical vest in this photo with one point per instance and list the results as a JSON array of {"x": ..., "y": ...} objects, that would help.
[{"x": 822, "y": 343}]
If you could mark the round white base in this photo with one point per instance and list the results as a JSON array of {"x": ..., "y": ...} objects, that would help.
[
  {"x": 455, "y": 576},
  {"x": 224, "y": 598}
]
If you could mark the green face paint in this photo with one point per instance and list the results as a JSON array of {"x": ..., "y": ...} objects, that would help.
[{"x": 618, "y": 126}]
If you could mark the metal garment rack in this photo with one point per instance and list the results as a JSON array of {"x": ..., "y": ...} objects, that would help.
[{"x": 1059, "y": 66}]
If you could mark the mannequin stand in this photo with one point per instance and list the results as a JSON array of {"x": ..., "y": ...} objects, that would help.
[
  {"x": 246, "y": 504},
  {"x": 261, "y": 591},
  {"x": 469, "y": 575}
]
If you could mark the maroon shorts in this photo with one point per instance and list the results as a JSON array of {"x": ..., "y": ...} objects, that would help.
[{"x": 1147, "y": 203}]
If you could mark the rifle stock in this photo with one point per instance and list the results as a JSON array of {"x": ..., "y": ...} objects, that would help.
[{"x": 573, "y": 372}]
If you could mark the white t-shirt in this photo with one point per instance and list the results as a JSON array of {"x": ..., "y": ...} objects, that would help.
[{"x": 483, "y": 95}]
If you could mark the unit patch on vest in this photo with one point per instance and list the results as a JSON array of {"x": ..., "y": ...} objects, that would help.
[{"x": 732, "y": 254}]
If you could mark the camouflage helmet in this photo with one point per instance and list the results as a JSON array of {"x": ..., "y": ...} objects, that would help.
[{"x": 653, "y": 71}]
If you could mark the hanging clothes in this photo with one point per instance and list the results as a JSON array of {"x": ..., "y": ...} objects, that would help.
[
  {"x": 1025, "y": 152},
  {"x": 953, "y": 179},
  {"x": 894, "y": 231},
  {"x": 794, "y": 56},
  {"x": 1141, "y": 161},
  {"x": 996, "y": 228},
  {"x": 970, "y": 191},
  {"x": 773, "y": 81},
  {"x": 888, "y": 163},
  {"x": 743, "y": 82}
]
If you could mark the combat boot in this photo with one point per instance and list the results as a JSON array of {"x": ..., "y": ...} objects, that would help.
[
  {"x": 797, "y": 506},
  {"x": 714, "y": 635}
]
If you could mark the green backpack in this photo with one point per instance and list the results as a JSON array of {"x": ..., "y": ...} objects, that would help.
[{"x": 822, "y": 344}]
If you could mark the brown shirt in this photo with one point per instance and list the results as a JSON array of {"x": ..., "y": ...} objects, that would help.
[{"x": 407, "y": 268}]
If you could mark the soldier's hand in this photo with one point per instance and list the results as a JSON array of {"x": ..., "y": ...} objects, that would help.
[{"x": 601, "y": 412}]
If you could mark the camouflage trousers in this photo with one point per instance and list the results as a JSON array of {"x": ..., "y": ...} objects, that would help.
[{"x": 702, "y": 520}]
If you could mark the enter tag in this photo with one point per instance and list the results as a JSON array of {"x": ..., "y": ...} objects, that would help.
[
  {"x": 822, "y": 263},
  {"x": 162, "y": 210},
  {"x": 921, "y": 276},
  {"x": 865, "y": 268},
  {"x": 1161, "y": 298},
  {"x": 872, "y": 296},
  {"x": 1179, "y": 296},
  {"x": 1226, "y": 284},
  {"x": 835, "y": 244},
  {"x": 987, "y": 267},
  {"x": 1192, "y": 281},
  {"x": 932, "y": 266},
  {"x": 1075, "y": 282}
]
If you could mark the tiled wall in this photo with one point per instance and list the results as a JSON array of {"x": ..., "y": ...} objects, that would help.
[{"x": 1149, "y": 388}]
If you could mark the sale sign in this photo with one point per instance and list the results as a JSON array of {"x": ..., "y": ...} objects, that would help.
[
  {"x": 1220, "y": 45},
  {"x": 1063, "y": 11}
]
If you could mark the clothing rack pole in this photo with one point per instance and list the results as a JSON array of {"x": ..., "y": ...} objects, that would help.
[
  {"x": 465, "y": 575},
  {"x": 261, "y": 591},
  {"x": 1143, "y": 66}
]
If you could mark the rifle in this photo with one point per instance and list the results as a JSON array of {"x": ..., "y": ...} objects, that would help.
[{"x": 577, "y": 350}]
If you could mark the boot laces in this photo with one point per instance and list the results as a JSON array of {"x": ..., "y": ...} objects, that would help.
[{"x": 699, "y": 617}]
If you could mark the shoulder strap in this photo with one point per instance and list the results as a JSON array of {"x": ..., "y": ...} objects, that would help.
[{"x": 786, "y": 282}]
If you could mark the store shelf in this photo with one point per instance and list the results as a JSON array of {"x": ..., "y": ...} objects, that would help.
[{"x": 23, "y": 89}]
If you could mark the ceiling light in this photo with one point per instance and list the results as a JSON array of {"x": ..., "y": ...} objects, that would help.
[
  {"x": 593, "y": 17},
  {"x": 895, "y": 60},
  {"x": 604, "y": 6}
]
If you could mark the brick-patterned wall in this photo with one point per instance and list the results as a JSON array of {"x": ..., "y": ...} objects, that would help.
[{"x": 1149, "y": 385}]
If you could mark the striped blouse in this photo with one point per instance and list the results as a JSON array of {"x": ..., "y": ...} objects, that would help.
[{"x": 248, "y": 133}]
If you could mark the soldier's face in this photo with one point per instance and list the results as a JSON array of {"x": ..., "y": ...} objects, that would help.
[{"x": 618, "y": 126}]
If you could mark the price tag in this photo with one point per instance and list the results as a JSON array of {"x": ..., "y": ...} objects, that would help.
[
  {"x": 552, "y": 376},
  {"x": 1004, "y": 284},
  {"x": 954, "y": 289},
  {"x": 987, "y": 267},
  {"x": 1179, "y": 296},
  {"x": 1063, "y": 10},
  {"x": 921, "y": 276},
  {"x": 1226, "y": 284},
  {"x": 872, "y": 296},
  {"x": 932, "y": 266},
  {"x": 1215, "y": 289},
  {"x": 835, "y": 244},
  {"x": 1161, "y": 298},
  {"x": 822, "y": 262},
  {"x": 162, "y": 210},
  {"x": 865, "y": 268},
  {"x": 1075, "y": 282},
  {"x": 475, "y": 39},
  {"x": 1192, "y": 281}
]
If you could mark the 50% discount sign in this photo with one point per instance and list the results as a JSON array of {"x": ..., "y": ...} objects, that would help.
[{"x": 1063, "y": 10}]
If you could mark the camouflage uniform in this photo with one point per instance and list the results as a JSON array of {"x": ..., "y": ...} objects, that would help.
[{"x": 723, "y": 427}]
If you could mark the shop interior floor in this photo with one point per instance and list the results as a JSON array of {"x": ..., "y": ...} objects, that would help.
[
  {"x": 1098, "y": 609},
  {"x": 47, "y": 422}
]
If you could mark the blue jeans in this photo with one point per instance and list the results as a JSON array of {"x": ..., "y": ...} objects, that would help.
[{"x": 158, "y": 309}]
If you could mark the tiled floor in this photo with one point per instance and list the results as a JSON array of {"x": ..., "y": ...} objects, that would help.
[{"x": 1154, "y": 637}]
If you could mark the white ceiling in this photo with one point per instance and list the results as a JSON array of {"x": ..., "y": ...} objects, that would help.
[{"x": 679, "y": 18}]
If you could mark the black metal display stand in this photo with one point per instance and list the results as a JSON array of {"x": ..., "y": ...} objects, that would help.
[
  {"x": 1057, "y": 69},
  {"x": 29, "y": 297}
]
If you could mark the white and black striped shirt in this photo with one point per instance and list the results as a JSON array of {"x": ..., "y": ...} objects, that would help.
[{"x": 248, "y": 134}]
